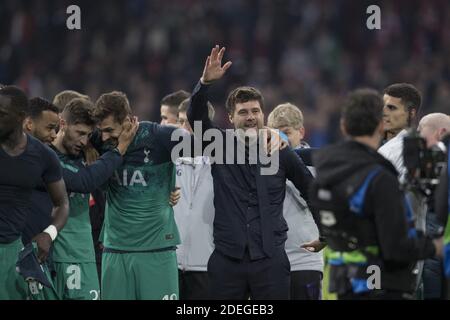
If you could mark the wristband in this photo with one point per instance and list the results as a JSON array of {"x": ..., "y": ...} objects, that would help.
[{"x": 51, "y": 231}]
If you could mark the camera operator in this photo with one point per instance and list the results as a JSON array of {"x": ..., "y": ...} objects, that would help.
[
  {"x": 432, "y": 128},
  {"x": 362, "y": 210},
  {"x": 442, "y": 208}
]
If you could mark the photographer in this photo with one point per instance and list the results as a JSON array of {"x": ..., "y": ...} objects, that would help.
[
  {"x": 362, "y": 209},
  {"x": 432, "y": 128},
  {"x": 442, "y": 207}
]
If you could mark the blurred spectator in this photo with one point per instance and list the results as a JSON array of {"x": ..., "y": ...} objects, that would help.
[{"x": 308, "y": 52}]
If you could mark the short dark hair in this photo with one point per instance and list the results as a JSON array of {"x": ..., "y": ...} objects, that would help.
[
  {"x": 79, "y": 111},
  {"x": 408, "y": 93},
  {"x": 174, "y": 99},
  {"x": 19, "y": 99},
  {"x": 242, "y": 95},
  {"x": 64, "y": 97},
  {"x": 185, "y": 105},
  {"x": 39, "y": 105},
  {"x": 362, "y": 112},
  {"x": 114, "y": 103}
]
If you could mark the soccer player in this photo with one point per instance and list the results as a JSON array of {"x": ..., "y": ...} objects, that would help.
[
  {"x": 140, "y": 234},
  {"x": 401, "y": 106},
  {"x": 24, "y": 163},
  {"x": 74, "y": 257},
  {"x": 402, "y": 103},
  {"x": 169, "y": 107},
  {"x": 64, "y": 97},
  {"x": 97, "y": 198},
  {"x": 41, "y": 123}
]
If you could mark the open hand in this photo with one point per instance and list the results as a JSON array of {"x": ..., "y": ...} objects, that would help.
[
  {"x": 213, "y": 66},
  {"x": 130, "y": 127}
]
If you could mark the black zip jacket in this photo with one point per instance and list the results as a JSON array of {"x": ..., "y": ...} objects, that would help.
[{"x": 347, "y": 164}]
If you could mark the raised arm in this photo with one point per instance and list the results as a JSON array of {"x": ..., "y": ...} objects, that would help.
[{"x": 213, "y": 71}]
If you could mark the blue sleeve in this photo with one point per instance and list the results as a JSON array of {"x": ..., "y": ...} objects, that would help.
[
  {"x": 52, "y": 168},
  {"x": 90, "y": 178}
]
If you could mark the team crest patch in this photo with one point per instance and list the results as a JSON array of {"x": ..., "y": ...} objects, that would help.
[{"x": 146, "y": 152}]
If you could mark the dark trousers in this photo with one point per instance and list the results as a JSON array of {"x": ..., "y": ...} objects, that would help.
[
  {"x": 263, "y": 279},
  {"x": 433, "y": 279},
  {"x": 306, "y": 285},
  {"x": 194, "y": 285}
]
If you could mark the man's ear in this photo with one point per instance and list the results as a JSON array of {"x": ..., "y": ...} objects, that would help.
[
  {"x": 28, "y": 124},
  {"x": 441, "y": 133},
  {"x": 62, "y": 124},
  {"x": 302, "y": 132},
  {"x": 230, "y": 117},
  {"x": 412, "y": 113}
]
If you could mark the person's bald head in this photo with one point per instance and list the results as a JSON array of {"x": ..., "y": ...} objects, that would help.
[{"x": 433, "y": 127}]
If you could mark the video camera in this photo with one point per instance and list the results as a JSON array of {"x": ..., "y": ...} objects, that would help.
[{"x": 423, "y": 164}]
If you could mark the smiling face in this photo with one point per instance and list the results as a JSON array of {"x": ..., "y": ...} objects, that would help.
[
  {"x": 247, "y": 116},
  {"x": 110, "y": 129}
]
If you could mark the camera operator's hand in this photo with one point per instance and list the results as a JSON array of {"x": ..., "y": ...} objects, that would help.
[{"x": 439, "y": 246}]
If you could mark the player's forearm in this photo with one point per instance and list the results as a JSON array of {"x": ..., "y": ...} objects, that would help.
[
  {"x": 60, "y": 215},
  {"x": 91, "y": 178}
]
